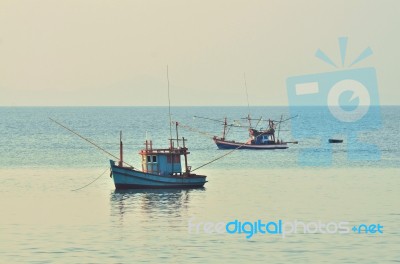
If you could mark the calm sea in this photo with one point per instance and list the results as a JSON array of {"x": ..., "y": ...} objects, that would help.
[{"x": 44, "y": 221}]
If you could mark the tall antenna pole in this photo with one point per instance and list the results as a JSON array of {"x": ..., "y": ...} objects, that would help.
[
  {"x": 169, "y": 112},
  {"x": 170, "y": 127},
  {"x": 247, "y": 96}
]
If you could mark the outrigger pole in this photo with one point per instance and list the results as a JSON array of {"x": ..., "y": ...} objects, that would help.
[
  {"x": 88, "y": 141},
  {"x": 281, "y": 121}
]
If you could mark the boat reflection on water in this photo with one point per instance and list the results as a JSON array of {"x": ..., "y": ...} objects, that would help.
[{"x": 150, "y": 202}]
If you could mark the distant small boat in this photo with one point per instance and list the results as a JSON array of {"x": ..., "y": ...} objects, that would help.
[
  {"x": 331, "y": 140},
  {"x": 161, "y": 168}
]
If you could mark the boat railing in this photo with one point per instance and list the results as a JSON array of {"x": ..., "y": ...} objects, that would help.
[{"x": 162, "y": 151}]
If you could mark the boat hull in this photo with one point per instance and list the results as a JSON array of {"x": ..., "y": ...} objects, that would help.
[
  {"x": 128, "y": 178},
  {"x": 335, "y": 140},
  {"x": 221, "y": 144}
]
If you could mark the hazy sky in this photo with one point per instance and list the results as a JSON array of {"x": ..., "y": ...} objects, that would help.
[{"x": 115, "y": 52}]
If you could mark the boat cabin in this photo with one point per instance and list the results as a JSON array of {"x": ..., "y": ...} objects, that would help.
[
  {"x": 163, "y": 161},
  {"x": 262, "y": 137},
  {"x": 265, "y": 139}
]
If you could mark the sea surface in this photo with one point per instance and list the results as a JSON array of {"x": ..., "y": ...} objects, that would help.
[{"x": 45, "y": 219}]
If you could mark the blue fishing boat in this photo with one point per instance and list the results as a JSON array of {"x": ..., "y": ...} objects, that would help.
[
  {"x": 265, "y": 144},
  {"x": 161, "y": 168},
  {"x": 259, "y": 139}
]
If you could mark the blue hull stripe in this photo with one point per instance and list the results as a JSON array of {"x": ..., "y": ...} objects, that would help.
[
  {"x": 138, "y": 186},
  {"x": 221, "y": 145}
]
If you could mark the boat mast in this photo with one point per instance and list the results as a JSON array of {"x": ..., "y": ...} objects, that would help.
[
  {"x": 121, "y": 154},
  {"x": 225, "y": 125},
  {"x": 177, "y": 136},
  {"x": 185, "y": 155}
]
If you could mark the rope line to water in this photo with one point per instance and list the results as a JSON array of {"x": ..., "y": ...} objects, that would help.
[
  {"x": 220, "y": 157},
  {"x": 226, "y": 154},
  {"x": 91, "y": 181},
  {"x": 209, "y": 135}
]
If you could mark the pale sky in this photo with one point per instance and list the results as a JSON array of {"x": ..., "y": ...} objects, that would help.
[{"x": 110, "y": 53}]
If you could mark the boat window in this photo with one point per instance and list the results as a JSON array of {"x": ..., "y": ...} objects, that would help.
[
  {"x": 148, "y": 158},
  {"x": 154, "y": 159}
]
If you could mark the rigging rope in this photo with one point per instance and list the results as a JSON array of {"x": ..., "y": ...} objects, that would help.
[{"x": 220, "y": 157}]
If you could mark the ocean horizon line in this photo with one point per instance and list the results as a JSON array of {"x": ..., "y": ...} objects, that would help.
[{"x": 174, "y": 106}]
